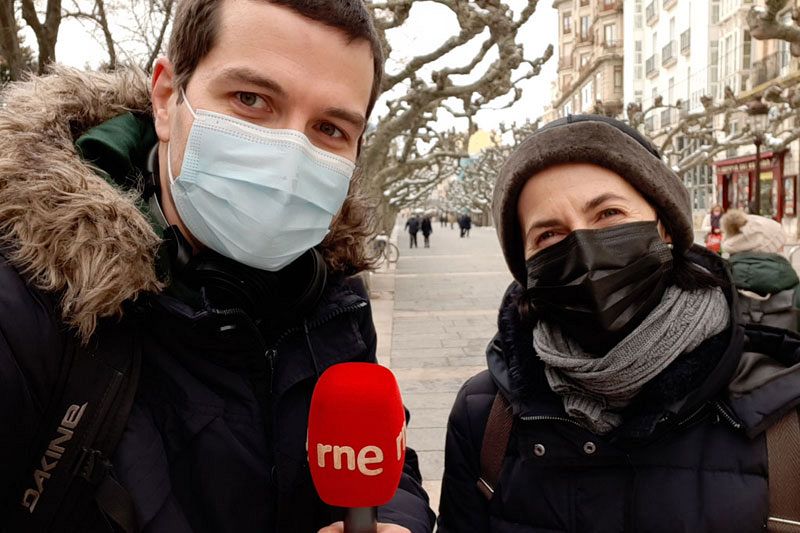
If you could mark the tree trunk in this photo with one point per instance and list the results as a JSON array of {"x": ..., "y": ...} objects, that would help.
[{"x": 9, "y": 41}]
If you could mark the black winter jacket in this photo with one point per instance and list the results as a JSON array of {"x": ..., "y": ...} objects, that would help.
[
  {"x": 216, "y": 439},
  {"x": 690, "y": 456}
]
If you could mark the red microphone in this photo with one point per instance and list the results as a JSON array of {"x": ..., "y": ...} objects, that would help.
[{"x": 357, "y": 440}]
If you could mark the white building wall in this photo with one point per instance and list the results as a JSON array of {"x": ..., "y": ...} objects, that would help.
[
  {"x": 632, "y": 24},
  {"x": 686, "y": 78}
]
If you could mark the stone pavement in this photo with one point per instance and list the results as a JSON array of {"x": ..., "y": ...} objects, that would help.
[{"x": 435, "y": 312}]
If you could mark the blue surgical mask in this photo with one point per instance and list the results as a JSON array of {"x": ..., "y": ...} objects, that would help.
[{"x": 259, "y": 196}]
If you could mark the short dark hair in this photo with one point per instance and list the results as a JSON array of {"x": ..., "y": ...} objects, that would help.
[{"x": 195, "y": 30}]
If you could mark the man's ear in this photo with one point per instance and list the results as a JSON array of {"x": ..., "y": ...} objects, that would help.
[{"x": 163, "y": 90}]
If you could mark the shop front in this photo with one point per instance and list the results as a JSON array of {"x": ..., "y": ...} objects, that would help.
[{"x": 736, "y": 185}]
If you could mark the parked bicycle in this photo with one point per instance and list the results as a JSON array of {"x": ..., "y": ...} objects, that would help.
[{"x": 388, "y": 251}]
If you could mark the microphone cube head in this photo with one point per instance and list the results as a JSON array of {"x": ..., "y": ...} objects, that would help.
[{"x": 356, "y": 435}]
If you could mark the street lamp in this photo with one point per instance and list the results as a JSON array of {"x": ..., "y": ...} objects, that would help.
[{"x": 757, "y": 113}]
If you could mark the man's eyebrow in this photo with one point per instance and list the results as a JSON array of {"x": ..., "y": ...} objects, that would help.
[
  {"x": 358, "y": 120},
  {"x": 600, "y": 200},
  {"x": 252, "y": 77},
  {"x": 244, "y": 74}
]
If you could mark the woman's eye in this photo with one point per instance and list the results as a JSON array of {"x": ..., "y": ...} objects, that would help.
[
  {"x": 545, "y": 236},
  {"x": 249, "y": 99},
  {"x": 610, "y": 213},
  {"x": 330, "y": 130}
]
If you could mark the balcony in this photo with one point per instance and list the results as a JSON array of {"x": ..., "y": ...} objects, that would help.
[
  {"x": 668, "y": 56},
  {"x": 685, "y": 42},
  {"x": 606, "y": 7},
  {"x": 651, "y": 13},
  {"x": 769, "y": 68},
  {"x": 651, "y": 66},
  {"x": 667, "y": 4},
  {"x": 666, "y": 118},
  {"x": 612, "y": 43},
  {"x": 565, "y": 63},
  {"x": 586, "y": 38}
]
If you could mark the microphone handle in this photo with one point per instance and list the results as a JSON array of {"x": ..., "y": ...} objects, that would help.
[{"x": 361, "y": 520}]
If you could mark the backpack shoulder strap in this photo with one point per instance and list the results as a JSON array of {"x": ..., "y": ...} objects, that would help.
[
  {"x": 71, "y": 475},
  {"x": 494, "y": 445},
  {"x": 783, "y": 456}
]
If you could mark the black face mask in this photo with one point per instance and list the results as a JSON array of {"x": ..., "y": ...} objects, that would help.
[{"x": 598, "y": 285}]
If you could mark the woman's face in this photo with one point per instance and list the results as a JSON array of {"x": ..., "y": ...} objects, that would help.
[{"x": 572, "y": 196}]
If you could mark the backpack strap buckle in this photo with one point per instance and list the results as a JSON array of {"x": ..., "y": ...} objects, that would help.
[{"x": 93, "y": 466}]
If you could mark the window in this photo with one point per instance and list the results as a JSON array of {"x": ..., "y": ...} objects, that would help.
[
  {"x": 584, "y": 60},
  {"x": 638, "y": 18},
  {"x": 686, "y": 41},
  {"x": 655, "y": 42},
  {"x": 584, "y": 27},
  {"x": 747, "y": 50},
  {"x": 618, "y": 77},
  {"x": 587, "y": 96},
  {"x": 637, "y": 60},
  {"x": 567, "y": 109},
  {"x": 672, "y": 29},
  {"x": 730, "y": 55},
  {"x": 610, "y": 34},
  {"x": 714, "y": 67},
  {"x": 688, "y": 87},
  {"x": 567, "y": 22}
]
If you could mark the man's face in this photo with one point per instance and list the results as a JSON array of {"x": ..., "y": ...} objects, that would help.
[{"x": 275, "y": 68}]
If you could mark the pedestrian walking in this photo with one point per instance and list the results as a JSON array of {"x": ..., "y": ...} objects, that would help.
[
  {"x": 427, "y": 229},
  {"x": 465, "y": 224},
  {"x": 412, "y": 225},
  {"x": 711, "y": 228},
  {"x": 768, "y": 286},
  {"x": 442, "y": 219},
  {"x": 622, "y": 392}
]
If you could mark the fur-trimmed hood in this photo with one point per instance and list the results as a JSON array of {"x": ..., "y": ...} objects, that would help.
[{"x": 67, "y": 230}]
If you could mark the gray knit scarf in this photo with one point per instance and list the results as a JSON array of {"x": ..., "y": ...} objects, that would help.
[{"x": 595, "y": 389}]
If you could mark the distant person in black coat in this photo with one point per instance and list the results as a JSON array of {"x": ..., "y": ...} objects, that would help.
[
  {"x": 412, "y": 225},
  {"x": 465, "y": 223},
  {"x": 427, "y": 229}
]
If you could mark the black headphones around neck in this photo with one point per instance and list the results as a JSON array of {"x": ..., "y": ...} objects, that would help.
[{"x": 285, "y": 295}]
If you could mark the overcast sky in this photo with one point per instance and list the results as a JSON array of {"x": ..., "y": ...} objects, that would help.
[{"x": 429, "y": 25}]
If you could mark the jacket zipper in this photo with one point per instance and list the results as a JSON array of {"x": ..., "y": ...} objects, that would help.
[
  {"x": 726, "y": 415},
  {"x": 549, "y": 419},
  {"x": 272, "y": 352}
]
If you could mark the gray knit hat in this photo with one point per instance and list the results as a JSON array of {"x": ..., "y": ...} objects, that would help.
[{"x": 593, "y": 139}]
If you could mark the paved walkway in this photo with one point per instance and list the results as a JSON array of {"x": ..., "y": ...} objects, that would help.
[{"x": 435, "y": 313}]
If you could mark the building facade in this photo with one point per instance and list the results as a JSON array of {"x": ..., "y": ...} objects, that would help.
[
  {"x": 668, "y": 44},
  {"x": 747, "y": 67},
  {"x": 590, "y": 67}
]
